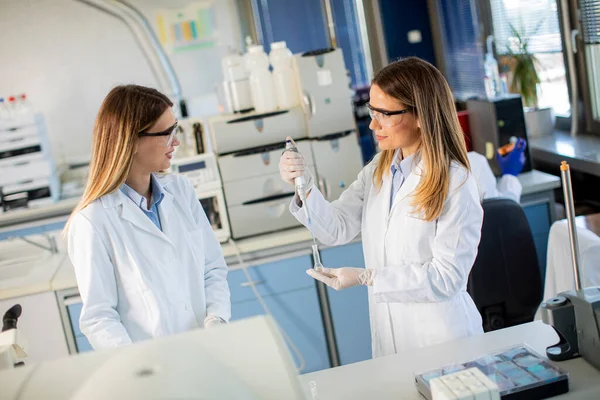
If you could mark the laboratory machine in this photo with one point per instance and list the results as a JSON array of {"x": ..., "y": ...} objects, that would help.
[
  {"x": 249, "y": 146},
  {"x": 13, "y": 346},
  {"x": 28, "y": 176},
  {"x": 574, "y": 315},
  {"x": 492, "y": 125},
  {"x": 246, "y": 359},
  {"x": 203, "y": 172},
  {"x": 326, "y": 92}
]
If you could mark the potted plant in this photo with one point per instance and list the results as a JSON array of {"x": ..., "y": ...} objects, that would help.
[{"x": 525, "y": 80}]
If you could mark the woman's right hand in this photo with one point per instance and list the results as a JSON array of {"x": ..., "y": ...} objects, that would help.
[{"x": 292, "y": 165}]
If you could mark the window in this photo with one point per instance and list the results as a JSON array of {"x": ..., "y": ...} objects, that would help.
[
  {"x": 463, "y": 50},
  {"x": 538, "y": 19}
]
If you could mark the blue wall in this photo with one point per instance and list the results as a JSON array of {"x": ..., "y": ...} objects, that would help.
[{"x": 401, "y": 16}]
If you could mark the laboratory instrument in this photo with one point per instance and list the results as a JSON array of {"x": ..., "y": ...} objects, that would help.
[
  {"x": 516, "y": 373},
  {"x": 28, "y": 176},
  {"x": 574, "y": 315},
  {"x": 257, "y": 199},
  {"x": 493, "y": 123},
  {"x": 300, "y": 184},
  {"x": 249, "y": 146},
  {"x": 326, "y": 93},
  {"x": 13, "y": 346},
  {"x": 246, "y": 359},
  {"x": 329, "y": 153},
  {"x": 203, "y": 173}
]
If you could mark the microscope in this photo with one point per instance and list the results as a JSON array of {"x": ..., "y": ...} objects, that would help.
[
  {"x": 574, "y": 315},
  {"x": 12, "y": 345}
]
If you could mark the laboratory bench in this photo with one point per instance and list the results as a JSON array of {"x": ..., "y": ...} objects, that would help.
[
  {"x": 393, "y": 377},
  {"x": 328, "y": 327},
  {"x": 582, "y": 152}
]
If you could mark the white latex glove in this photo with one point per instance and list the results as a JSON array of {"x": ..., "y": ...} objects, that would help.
[
  {"x": 342, "y": 278},
  {"x": 292, "y": 165},
  {"x": 211, "y": 321}
]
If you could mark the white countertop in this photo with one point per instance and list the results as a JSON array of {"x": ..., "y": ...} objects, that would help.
[
  {"x": 55, "y": 272},
  {"x": 537, "y": 181},
  {"x": 392, "y": 377},
  {"x": 26, "y": 269},
  {"x": 43, "y": 271}
]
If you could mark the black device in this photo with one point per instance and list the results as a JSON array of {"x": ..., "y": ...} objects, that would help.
[
  {"x": 493, "y": 122},
  {"x": 9, "y": 320}
]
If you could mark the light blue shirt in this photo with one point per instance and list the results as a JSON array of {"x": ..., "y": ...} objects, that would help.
[
  {"x": 157, "y": 197},
  {"x": 401, "y": 170}
]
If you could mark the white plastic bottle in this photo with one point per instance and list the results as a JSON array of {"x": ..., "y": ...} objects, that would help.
[
  {"x": 12, "y": 108},
  {"x": 284, "y": 77},
  {"x": 25, "y": 108},
  {"x": 261, "y": 80},
  {"x": 4, "y": 113},
  {"x": 490, "y": 68},
  {"x": 237, "y": 80}
]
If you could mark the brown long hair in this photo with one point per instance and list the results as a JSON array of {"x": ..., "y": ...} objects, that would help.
[
  {"x": 422, "y": 88},
  {"x": 126, "y": 111}
]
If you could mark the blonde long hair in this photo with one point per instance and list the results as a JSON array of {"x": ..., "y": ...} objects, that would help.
[
  {"x": 126, "y": 111},
  {"x": 423, "y": 89}
]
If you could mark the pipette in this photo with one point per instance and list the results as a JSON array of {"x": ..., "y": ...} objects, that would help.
[{"x": 300, "y": 184}]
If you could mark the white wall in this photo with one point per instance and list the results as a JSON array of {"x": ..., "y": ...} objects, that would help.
[{"x": 67, "y": 56}]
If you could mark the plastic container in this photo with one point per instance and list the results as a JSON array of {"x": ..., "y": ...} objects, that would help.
[
  {"x": 4, "y": 113},
  {"x": 493, "y": 86},
  {"x": 24, "y": 108},
  {"x": 261, "y": 80},
  {"x": 284, "y": 77},
  {"x": 237, "y": 83}
]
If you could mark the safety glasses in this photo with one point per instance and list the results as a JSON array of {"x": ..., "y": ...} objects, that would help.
[
  {"x": 386, "y": 118},
  {"x": 166, "y": 137}
]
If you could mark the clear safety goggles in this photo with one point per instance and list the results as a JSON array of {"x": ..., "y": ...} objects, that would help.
[
  {"x": 166, "y": 137},
  {"x": 386, "y": 118}
]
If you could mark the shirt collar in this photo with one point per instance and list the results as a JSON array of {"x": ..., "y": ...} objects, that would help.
[
  {"x": 157, "y": 194},
  {"x": 405, "y": 166}
]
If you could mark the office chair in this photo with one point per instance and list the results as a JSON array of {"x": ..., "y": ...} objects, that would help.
[{"x": 505, "y": 281}]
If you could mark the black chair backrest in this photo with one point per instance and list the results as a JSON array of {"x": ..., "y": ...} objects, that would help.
[{"x": 505, "y": 282}]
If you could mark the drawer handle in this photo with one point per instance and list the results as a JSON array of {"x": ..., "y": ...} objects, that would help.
[
  {"x": 269, "y": 198},
  {"x": 252, "y": 283},
  {"x": 257, "y": 116}
]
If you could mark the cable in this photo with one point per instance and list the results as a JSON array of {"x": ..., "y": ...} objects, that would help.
[{"x": 266, "y": 309}]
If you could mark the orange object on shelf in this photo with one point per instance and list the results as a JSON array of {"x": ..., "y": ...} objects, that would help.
[{"x": 507, "y": 148}]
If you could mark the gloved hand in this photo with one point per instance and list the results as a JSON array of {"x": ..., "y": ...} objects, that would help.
[
  {"x": 513, "y": 162},
  {"x": 342, "y": 278},
  {"x": 292, "y": 165},
  {"x": 211, "y": 321}
]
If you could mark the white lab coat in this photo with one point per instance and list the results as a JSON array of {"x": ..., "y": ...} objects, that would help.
[
  {"x": 137, "y": 282},
  {"x": 559, "y": 264},
  {"x": 507, "y": 186},
  {"x": 419, "y": 293}
]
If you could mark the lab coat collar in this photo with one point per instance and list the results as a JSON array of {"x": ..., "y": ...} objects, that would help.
[
  {"x": 410, "y": 184},
  {"x": 132, "y": 213}
]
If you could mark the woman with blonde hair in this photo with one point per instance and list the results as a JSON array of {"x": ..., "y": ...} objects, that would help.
[
  {"x": 417, "y": 206},
  {"x": 147, "y": 261}
]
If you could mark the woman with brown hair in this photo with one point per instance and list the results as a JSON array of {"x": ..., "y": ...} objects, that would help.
[
  {"x": 147, "y": 261},
  {"x": 417, "y": 206}
]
